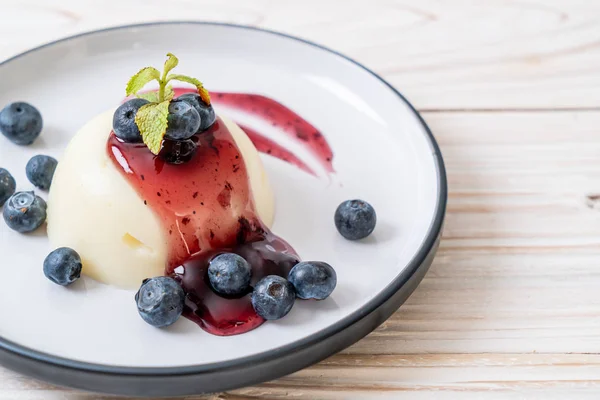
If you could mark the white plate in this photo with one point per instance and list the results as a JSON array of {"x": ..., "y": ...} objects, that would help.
[{"x": 383, "y": 153}]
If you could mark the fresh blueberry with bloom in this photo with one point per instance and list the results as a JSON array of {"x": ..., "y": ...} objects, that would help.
[
  {"x": 160, "y": 301},
  {"x": 40, "y": 171},
  {"x": 183, "y": 121},
  {"x": 313, "y": 279},
  {"x": 124, "y": 124},
  {"x": 229, "y": 274},
  {"x": 24, "y": 212},
  {"x": 21, "y": 123},
  {"x": 63, "y": 266},
  {"x": 8, "y": 185},
  {"x": 273, "y": 297},
  {"x": 206, "y": 112},
  {"x": 355, "y": 219}
]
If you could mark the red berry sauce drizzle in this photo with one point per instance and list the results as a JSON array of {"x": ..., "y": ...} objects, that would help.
[
  {"x": 287, "y": 122},
  {"x": 206, "y": 207}
]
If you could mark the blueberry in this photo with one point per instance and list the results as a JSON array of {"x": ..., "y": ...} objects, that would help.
[
  {"x": 229, "y": 274},
  {"x": 206, "y": 111},
  {"x": 178, "y": 151},
  {"x": 24, "y": 212},
  {"x": 160, "y": 301},
  {"x": 183, "y": 121},
  {"x": 124, "y": 124},
  {"x": 63, "y": 266},
  {"x": 21, "y": 123},
  {"x": 7, "y": 186},
  {"x": 355, "y": 219},
  {"x": 313, "y": 280},
  {"x": 273, "y": 297},
  {"x": 40, "y": 170}
]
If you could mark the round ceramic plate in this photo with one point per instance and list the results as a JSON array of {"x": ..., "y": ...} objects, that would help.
[{"x": 91, "y": 337}]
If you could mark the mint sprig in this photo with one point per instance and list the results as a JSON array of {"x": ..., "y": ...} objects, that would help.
[
  {"x": 151, "y": 119},
  {"x": 188, "y": 79},
  {"x": 139, "y": 80},
  {"x": 153, "y": 96}
]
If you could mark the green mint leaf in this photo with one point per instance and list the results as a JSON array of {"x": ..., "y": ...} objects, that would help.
[
  {"x": 151, "y": 120},
  {"x": 188, "y": 79},
  {"x": 139, "y": 80},
  {"x": 152, "y": 97},
  {"x": 169, "y": 92},
  {"x": 171, "y": 63}
]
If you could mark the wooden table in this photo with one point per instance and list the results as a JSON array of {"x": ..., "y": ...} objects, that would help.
[{"x": 511, "y": 89}]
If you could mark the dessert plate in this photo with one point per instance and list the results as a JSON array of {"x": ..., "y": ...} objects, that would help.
[{"x": 90, "y": 336}]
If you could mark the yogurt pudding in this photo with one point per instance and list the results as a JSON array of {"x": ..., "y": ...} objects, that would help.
[
  {"x": 120, "y": 238},
  {"x": 164, "y": 193}
]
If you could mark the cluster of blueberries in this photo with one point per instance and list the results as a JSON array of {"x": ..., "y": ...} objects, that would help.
[
  {"x": 188, "y": 115},
  {"x": 24, "y": 212},
  {"x": 160, "y": 300}
]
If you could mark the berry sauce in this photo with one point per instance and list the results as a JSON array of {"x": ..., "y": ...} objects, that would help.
[
  {"x": 206, "y": 206},
  {"x": 287, "y": 122},
  {"x": 265, "y": 145}
]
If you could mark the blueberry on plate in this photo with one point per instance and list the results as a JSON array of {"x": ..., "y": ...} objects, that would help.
[
  {"x": 229, "y": 274},
  {"x": 7, "y": 186},
  {"x": 63, "y": 266},
  {"x": 178, "y": 151},
  {"x": 21, "y": 123},
  {"x": 24, "y": 212},
  {"x": 313, "y": 280},
  {"x": 206, "y": 111},
  {"x": 355, "y": 219},
  {"x": 183, "y": 121},
  {"x": 273, "y": 297},
  {"x": 40, "y": 170},
  {"x": 124, "y": 124},
  {"x": 160, "y": 301}
]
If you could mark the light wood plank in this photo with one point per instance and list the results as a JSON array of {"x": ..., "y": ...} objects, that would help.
[
  {"x": 402, "y": 376},
  {"x": 459, "y": 54}
]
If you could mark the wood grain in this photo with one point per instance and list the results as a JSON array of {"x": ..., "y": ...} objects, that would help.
[
  {"x": 459, "y": 54},
  {"x": 511, "y": 306}
]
